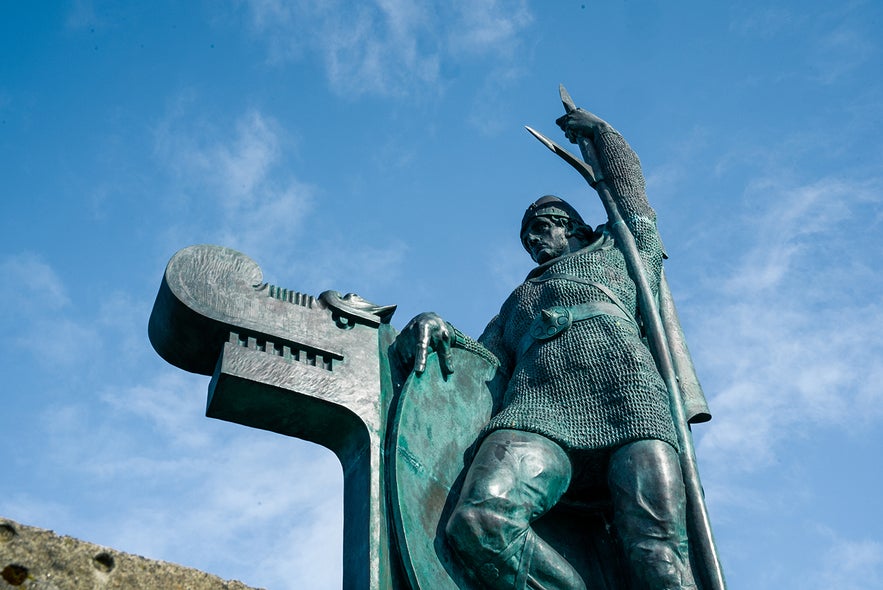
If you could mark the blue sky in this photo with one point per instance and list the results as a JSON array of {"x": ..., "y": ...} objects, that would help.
[{"x": 378, "y": 147}]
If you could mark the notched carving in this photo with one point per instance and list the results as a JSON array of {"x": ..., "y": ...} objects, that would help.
[
  {"x": 288, "y": 350},
  {"x": 288, "y": 295}
]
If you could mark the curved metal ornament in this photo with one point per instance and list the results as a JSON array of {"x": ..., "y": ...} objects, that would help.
[
  {"x": 435, "y": 425},
  {"x": 551, "y": 322}
]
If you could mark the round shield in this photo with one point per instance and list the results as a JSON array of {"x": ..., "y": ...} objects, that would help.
[{"x": 436, "y": 424}]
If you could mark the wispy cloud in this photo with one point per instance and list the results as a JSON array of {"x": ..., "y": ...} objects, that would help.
[
  {"x": 124, "y": 440},
  {"x": 242, "y": 197},
  {"x": 488, "y": 27},
  {"x": 840, "y": 52},
  {"x": 30, "y": 283},
  {"x": 82, "y": 14},
  {"x": 765, "y": 22},
  {"x": 340, "y": 265},
  {"x": 796, "y": 337},
  {"x": 39, "y": 313},
  {"x": 848, "y": 564},
  {"x": 245, "y": 500},
  {"x": 837, "y": 48},
  {"x": 237, "y": 179},
  {"x": 489, "y": 114},
  {"x": 388, "y": 47}
]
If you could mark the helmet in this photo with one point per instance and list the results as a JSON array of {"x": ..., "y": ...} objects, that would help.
[{"x": 549, "y": 206}]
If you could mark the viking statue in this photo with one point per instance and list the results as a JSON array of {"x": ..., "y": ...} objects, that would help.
[{"x": 585, "y": 410}]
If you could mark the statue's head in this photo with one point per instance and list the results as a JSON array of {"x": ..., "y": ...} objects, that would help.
[{"x": 558, "y": 213}]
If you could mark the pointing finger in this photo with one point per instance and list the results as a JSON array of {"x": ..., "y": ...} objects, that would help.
[
  {"x": 423, "y": 343},
  {"x": 445, "y": 356}
]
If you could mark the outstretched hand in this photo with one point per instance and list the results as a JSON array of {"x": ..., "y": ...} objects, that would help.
[
  {"x": 423, "y": 334},
  {"x": 579, "y": 123}
]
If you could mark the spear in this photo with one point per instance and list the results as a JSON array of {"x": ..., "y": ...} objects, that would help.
[{"x": 702, "y": 541}]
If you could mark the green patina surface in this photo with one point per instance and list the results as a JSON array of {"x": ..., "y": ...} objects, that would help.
[{"x": 328, "y": 369}]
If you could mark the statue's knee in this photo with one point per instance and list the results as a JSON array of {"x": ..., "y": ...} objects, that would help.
[
  {"x": 660, "y": 565},
  {"x": 474, "y": 533},
  {"x": 463, "y": 530}
]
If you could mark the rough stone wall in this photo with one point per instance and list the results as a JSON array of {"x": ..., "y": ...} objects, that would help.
[{"x": 37, "y": 559}]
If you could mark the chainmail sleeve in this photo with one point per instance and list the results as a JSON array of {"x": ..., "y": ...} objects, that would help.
[
  {"x": 463, "y": 341},
  {"x": 622, "y": 169}
]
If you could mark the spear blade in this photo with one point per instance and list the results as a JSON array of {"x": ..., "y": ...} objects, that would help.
[
  {"x": 568, "y": 103},
  {"x": 584, "y": 168},
  {"x": 543, "y": 139}
]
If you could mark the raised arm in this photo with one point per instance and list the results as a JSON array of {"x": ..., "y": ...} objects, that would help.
[{"x": 622, "y": 172}]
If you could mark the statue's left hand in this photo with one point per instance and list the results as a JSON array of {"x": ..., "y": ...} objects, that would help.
[
  {"x": 579, "y": 123},
  {"x": 423, "y": 334}
]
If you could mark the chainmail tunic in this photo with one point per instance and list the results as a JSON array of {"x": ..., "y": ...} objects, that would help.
[{"x": 595, "y": 386}]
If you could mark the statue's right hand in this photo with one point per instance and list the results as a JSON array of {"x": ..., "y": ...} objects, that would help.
[
  {"x": 423, "y": 334},
  {"x": 579, "y": 123}
]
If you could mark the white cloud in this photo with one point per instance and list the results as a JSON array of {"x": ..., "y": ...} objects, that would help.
[
  {"x": 241, "y": 196},
  {"x": 766, "y": 22},
  {"x": 371, "y": 48},
  {"x": 60, "y": 342},
  {"x": 40, "y": 317},
  {"x": 794, "y": 223},
  {"x": 233, "y": 162},
  {"x": 488, "y": 26},
  {"x": 264, "y": 225},
  {"x": 82, "y": 15},
  {"x": 244, "y": 164},
  {"x": 839, "y": 52},
  {"x": 231, "y": 499},
  {"x": 165, "y": 404},
  {"x": 388, "y": 47},
  {"x": 849, "y": 564},
  {"x": 834, "y": 50},
  {"x": 337, "y": 263},
  {"x": 29, "y": 283},
  {"x": 796, "y": 339},
  {"x": 489, "y": 114},
  {"x": 122, "y": 317},
  {"x": 36, "y": 511},
  {"x": 302, "y": 558}
]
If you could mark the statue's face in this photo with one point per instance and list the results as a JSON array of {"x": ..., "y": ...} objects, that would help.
[{"x": 545, "y": 240}]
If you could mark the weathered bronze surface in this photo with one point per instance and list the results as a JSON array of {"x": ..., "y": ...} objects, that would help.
[
  {"x": 594, "y": 358},
  {"x": 280, "y": 360},
  {"x": 447, "y": 485},
  {"x": 435, "y": 429}
]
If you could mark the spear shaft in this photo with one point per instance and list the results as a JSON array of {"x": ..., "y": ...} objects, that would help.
[{"x": 705, "y": 551}]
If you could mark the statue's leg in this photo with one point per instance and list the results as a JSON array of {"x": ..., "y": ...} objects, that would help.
[
  {"x": 650, "y": 514},
  {"x": 514, "y": 479}
]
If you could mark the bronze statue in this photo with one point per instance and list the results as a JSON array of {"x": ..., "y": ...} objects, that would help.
[
  {"x": 585, "y": 410},
  {"x": 556, "y": 453}
]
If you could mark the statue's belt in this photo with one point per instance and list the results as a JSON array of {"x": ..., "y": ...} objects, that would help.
[{"x": 553, "y": 321}]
